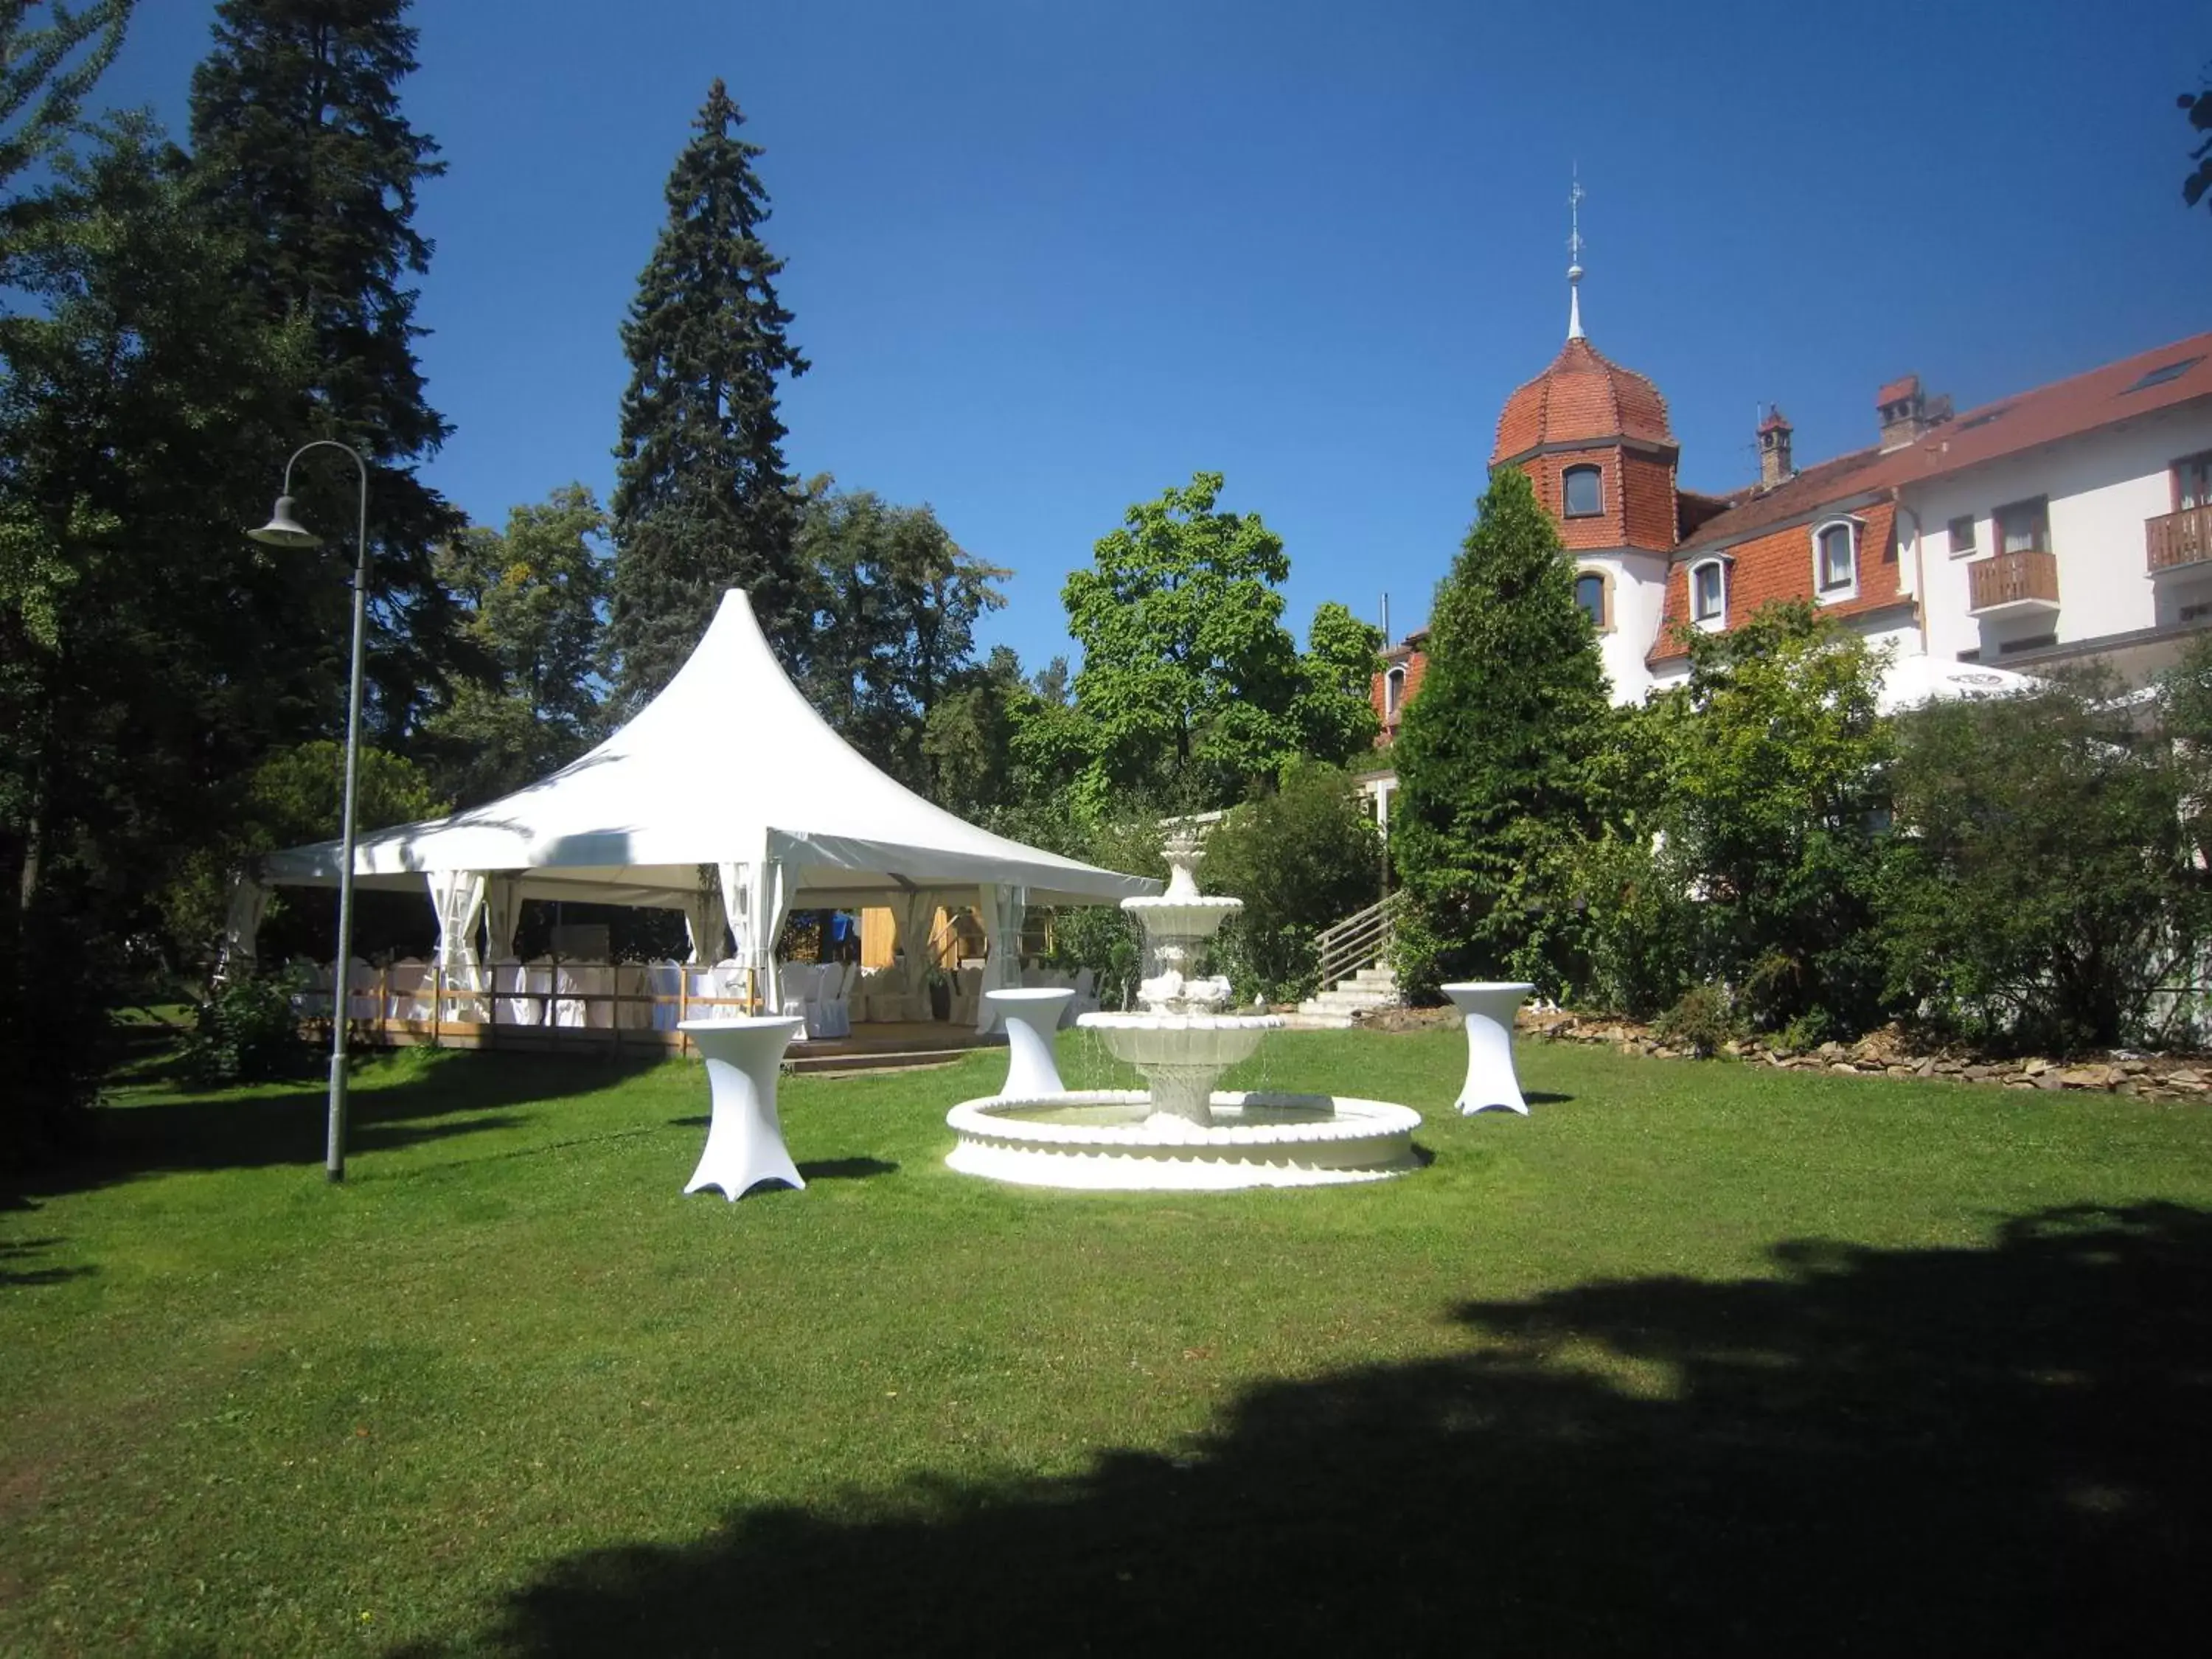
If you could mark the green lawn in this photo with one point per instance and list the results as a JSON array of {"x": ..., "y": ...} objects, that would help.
[{"x": 1697, "y": 1358}]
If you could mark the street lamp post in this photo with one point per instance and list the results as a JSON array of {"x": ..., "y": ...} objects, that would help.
[{"x": 283, "y": 531}]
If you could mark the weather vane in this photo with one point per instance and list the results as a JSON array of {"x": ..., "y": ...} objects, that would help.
[{"x": 1575, "y": 257}]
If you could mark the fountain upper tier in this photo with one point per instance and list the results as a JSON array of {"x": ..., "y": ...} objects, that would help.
[{"x": 1181, "y": 1041}]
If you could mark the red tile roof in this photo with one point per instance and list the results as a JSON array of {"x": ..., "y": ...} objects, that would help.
[
  {"x": 1581, "y": 397},
  {"x": 1809, "y": 491},
  {"x": 1897, "y": 390},
  {"x": 2118, "y": 391},
  {"x": 2045, "y": 414}
]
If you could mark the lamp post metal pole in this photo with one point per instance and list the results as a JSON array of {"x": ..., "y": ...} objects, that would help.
[{"x": 282, "y": 531}]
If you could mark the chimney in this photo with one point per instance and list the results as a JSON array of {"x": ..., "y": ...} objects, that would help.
[
  {"x": 1774, "y": 464},
  {"x": 1904, "y": 410}
]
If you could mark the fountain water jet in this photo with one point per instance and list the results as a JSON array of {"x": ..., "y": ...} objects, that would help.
[{"x": 1181, "y": 1133}]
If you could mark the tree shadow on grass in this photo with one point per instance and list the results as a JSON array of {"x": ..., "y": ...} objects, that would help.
[
  {"x": 15, "y": 1253},
  {"x": 446, "y": 1094},
  {"x": 1958, "y": 1451}
]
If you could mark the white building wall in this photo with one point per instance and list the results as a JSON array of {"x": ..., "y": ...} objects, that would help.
[
  {"x": 2101, "y": 486},
  {"x": 1639, "y": 601}
]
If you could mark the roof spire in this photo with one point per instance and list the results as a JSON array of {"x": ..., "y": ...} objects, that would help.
[{"x": 1574, "y": 257}]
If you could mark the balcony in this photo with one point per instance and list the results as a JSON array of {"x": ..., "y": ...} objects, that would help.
[
  {"x": 2179, "y": 538},
  {"x": 2013, "y": 585}
]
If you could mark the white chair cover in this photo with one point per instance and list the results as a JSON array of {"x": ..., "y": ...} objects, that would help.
[
  {"x": 593, "y": 984},
  {"x": 361, "y": 990},
  {"x": 633, "y": 983},
  {"x": 667, "y": 980},
  {"x": 407, "y": 989},
  {"x": 538, "y": 986},
  {"x": 508, "y": 1006},
  {"x": 830, "y": 1014}
]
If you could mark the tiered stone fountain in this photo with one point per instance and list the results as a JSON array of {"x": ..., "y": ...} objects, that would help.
[{"x": 1182, "y": 1134}]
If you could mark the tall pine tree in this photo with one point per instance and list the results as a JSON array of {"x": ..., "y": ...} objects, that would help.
[
  {"x": 1494, "y": 758},
  {"x": 301, "y": 149},
  {"x": 702, "y": 501}
]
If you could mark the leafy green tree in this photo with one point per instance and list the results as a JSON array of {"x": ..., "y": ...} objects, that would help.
[
  {"x": 2198, "y": 107},
  {"x": 1334, "y": 710},
  {"x": 148, "y": 652},
  {"x": 1304, "y": 856},
  {"x": 1764, "y": 854},
  {"x": 968, "y": 740},
  {"x": 703, "y": 502},
  {"x": 1188, "y": 679},
  {"x": 1494, "y": 757},
  {"x": 45, "y": 69},
  {"x": 898, "y": 602},
  {"x": 302, "y": 154},
  {"x": 534, "y": 597},
  {"x": 2046, "y": 885}
]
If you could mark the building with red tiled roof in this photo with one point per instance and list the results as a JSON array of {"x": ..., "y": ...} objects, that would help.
[{"x": 2070, "y": 520}]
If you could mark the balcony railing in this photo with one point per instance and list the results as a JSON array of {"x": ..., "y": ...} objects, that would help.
[
  {"x": 2014, "y": 581},
  {"x": 2183, "y": 538}
]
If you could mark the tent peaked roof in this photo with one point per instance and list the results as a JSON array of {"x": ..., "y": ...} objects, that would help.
[{"x": 729, "y": 763}]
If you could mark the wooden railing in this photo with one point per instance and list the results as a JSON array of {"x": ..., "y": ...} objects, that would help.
[
  {"x": 2183, "y": 538},
  {"x": 466, "y": 1011},
  {"x": 2014, "y": 579},
  {"x": 1360, "y": 940}
]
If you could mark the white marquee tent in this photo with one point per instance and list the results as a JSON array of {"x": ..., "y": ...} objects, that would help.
[{"x": 727, "y": 798}]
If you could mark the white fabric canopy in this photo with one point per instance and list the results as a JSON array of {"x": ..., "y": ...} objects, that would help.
[
  {"x": 729, "y": 767},
  {"x": 1910, "y": 682}
]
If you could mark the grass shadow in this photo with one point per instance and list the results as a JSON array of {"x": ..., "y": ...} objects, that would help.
[
  {"x": 443, "y": 1094},
  {"x": 846, "y": 1169},
  {"x": 1996, "y": 1448},
  {"x": 16, "y": 1251}
]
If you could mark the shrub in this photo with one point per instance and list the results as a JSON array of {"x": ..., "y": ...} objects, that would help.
[
  {"x": 245, "y": 1032},
  {"x": 1703, "y": 1021},
  {"x": 1301, "y": 859},
  {"x": 2044, "y": 885}
]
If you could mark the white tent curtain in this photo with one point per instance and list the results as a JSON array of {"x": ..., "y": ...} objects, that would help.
[
  {"x": 911, "y": 913},
  {"x": 457, "y": 895},
  {"x": 705, "y": 922},
  {"x": 757, "y": 897},
  {"x": 249, "y": 902},
  {"x": 502, "y": 915},
  {"x": 1002, "y": 909}
]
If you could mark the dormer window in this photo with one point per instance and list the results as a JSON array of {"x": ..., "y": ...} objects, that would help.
[
  {"x": 1393, "y": 693},
  {"x": 1836, "y": 559},
  {"x": 1583, "y": 486},
  {"x": 1709, "y": 594}
]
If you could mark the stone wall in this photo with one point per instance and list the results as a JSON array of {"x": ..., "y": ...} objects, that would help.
[{"x": 1887, "y": 1053}]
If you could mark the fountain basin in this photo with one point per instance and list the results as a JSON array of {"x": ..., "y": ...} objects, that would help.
[
  {"x": 1183, "y": 915},
  {"x": 1114, "y": 1140}
]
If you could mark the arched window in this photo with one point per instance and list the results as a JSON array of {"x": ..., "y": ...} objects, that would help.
[
  {"x": 1709, "y": 594},
  {"x": 1394, "y": 692},
  {"x": 1836, "y": 559},
  {"x": 1583, "y": 488},
  {"x": 1590, "y": 593}
]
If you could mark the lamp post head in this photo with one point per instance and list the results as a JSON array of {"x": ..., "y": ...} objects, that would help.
[{"x": 282, "y": 530}]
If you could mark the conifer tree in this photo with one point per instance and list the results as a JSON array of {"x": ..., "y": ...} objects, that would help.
[
  {"x": 1494, "y": 755},
  {"x": 301, "y": 149},
  {"x": 702, "y": 501}
]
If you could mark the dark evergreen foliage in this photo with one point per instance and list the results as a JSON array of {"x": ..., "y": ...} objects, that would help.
[
  {"x": 1494, "y": 755},
  {"x": 302, "y": 151},
  {"x": 702, "y": 501}
]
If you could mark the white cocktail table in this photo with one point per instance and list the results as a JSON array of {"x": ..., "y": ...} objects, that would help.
[
  {"x": 1488, "y": 1008},
  {"x": 745, "y": 1141},
  {"x": 1032, "y": 1017}
]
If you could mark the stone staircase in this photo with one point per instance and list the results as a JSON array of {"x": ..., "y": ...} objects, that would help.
[{"x": 1334, "y": 1009}]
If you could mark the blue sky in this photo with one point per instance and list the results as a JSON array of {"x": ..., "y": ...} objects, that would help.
[{"x": 1049, "y": 257}]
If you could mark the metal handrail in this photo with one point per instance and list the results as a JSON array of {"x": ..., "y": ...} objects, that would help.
[{"x": 1360, "y": 940}]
